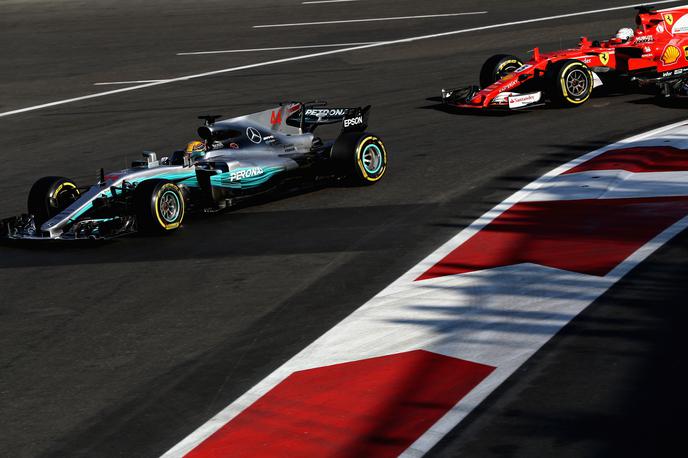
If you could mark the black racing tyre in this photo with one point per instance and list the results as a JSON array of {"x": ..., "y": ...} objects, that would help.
[
  {"x": 49, "y": 196},
  {"x": 497, "y": 67},
  {"x": 159, "y": 206},
  {"x": 360, "y": 157},
  {"x": 569, "y": 83}
]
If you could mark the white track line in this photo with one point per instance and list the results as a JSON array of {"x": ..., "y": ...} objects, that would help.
[
  {"x": 321, "y": 54},
  {"x": 327, "y": 1},
  {"x": 127, "y": 82},
  {"x": 347, "y": 21},
  {"x": 282, "y": 48}
]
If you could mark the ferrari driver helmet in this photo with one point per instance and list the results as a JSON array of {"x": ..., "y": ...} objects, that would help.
[
  {"x": 625, "y": 34},
  {"x": 196, "y": 150}
]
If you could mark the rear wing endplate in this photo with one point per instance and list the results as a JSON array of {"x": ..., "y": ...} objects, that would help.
[{"x": 312, "y": 115}]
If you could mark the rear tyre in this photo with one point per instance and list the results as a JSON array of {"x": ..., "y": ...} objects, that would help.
[
  {"x": 159, "y": 206},
  {"x": 569, "y": 83},
  {"x": 49, "y": 196},
  {"x": 360, "y": 157},
  {"x": 497, "y": 67}
]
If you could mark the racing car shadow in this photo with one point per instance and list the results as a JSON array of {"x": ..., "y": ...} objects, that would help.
[
  {"x": 262, "y": 227},
  {"x": 662, "y": 102}
]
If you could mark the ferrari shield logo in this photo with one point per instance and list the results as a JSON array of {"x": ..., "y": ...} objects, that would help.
[
  {"x": 685, "y": 52},
  {"x": 670, "y": 55},
  {"x": 669, "y": 19},
  {"x": 604, "y": 58}
]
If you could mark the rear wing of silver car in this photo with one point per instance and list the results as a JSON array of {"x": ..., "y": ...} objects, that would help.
[{"x": 314, "y": 114}]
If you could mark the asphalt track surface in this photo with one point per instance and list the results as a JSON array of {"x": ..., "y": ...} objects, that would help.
[{"x": 124, "y": 348}]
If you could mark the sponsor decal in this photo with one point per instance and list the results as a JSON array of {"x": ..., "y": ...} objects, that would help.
[
  {"x": 234, "y": 146},
  {"x": 678, "y": 71},
  {"x": 276, "y": 117},
  {"x": 523, "y": 68},
  {"x": 645, "y": 39},
  {"x": 604, "y": 58},
  {"x": 353, "y": 121},
  {"x": 518, "y": 101},
  {"x": 669, "y": 19},
  {"x": 245, "y": 173},
  {"x": 322, "y": 112},
  {"x": 253, "y": 135},
  {"x": 270, "y": 139},
  {"x": 660, "y": 28},
  {"x": 509, "y": 85},
  {"x": 681, "y": 25},
  {"x": 647, "y": 49},
  {"x": 670, "y": 55}
]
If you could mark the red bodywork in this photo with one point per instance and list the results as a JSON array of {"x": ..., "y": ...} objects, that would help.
[{"x": 659, "y": 46}]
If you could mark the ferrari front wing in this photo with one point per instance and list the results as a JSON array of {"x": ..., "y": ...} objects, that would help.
[{"x": 471, "y": 97}]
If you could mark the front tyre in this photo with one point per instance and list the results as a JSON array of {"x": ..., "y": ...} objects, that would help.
[
  {"x": 497, "y": 67},
  {"x": 49, "y": 196},
  {"x": 569, "y": 83},
  {"x": 159, "y": 206},
  {"x": 360, "y": 157}
]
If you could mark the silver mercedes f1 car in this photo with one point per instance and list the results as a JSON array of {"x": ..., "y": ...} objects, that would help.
[{"x": 235, "y": 159}]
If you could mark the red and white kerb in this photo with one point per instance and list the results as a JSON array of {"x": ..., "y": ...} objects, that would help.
[{"x": 404, "y": 369}]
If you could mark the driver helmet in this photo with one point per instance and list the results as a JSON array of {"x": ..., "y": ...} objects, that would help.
[
  {"x": 196, "y": 150},
  {"x": 625, "y": 34}
]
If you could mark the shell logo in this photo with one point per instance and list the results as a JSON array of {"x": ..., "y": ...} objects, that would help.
[{"x": 670, "y": 55}]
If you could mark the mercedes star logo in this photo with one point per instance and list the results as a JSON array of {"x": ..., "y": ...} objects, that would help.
[{"x": 254, "y": 135}]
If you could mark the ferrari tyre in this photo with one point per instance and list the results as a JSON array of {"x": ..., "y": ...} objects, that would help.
[
  {"x": 569, "y": 83},
  {"x": 159, "y": 206},
  {"x": 49, "y": 196},
  {"x": 360, "y": 157},
  {"x": 497, "y": 67}
]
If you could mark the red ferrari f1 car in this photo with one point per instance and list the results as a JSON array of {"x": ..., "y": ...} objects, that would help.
[{"x": 654, "y": 53}]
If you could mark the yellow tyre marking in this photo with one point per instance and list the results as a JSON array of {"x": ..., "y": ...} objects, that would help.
[
  {"x": 66, "y": 184},
  {"x": 512, "y": 61},
  {"x": 165, "y": 225},
  {"x": 360, "y": 162},
  {"x": 504, "y": 64},
  {"x": 563, "y": 84}
]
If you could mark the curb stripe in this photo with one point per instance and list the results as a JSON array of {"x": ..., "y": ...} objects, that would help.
[
  {"x": 374, "y": 407},
  {"x": 585, "y": 236},
  {"x": 638, "y": 160},
  {"x": 497, "y": 317}
]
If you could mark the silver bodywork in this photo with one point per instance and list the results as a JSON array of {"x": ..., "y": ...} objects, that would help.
[{"x": 258, "y": 149}]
